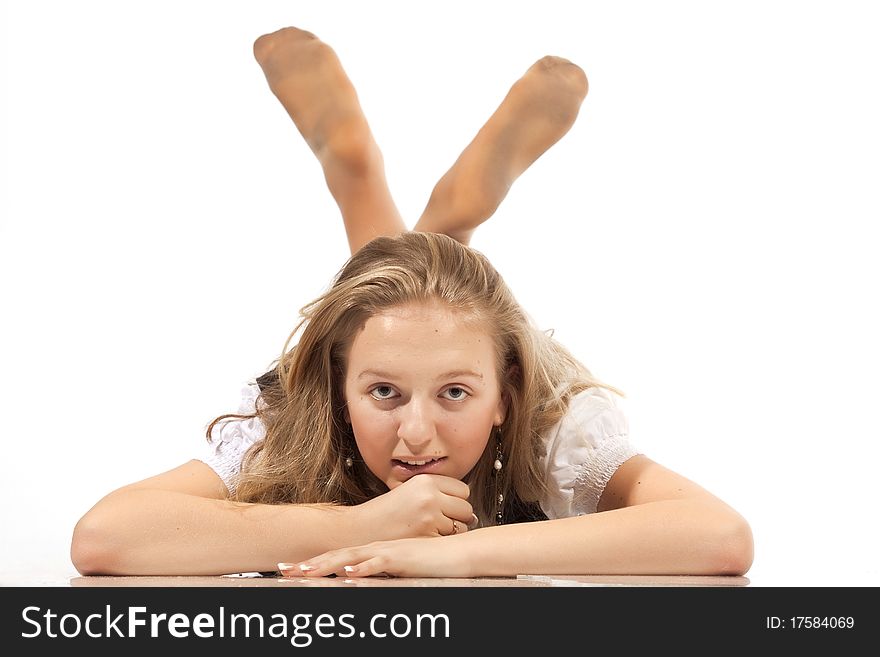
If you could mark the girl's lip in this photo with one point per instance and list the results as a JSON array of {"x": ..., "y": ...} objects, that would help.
[{"x": 430, "y": 466}]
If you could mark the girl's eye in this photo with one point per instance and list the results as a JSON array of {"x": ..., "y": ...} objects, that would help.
[
  {"x": 456, "y": 394},
  {"x": 382, "y": 392}
]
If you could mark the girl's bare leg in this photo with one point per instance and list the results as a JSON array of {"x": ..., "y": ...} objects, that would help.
[
  {"x": 305, "y": 74},
  {"x": 538, "y": 110}
]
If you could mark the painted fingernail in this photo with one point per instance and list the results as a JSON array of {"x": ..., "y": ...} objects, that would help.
[
  {"x": 286, "y": 566},
  {"x": 350, "y": 569},
  {"x": 306, "y": 567}
]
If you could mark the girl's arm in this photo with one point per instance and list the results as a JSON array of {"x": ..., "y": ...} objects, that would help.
[
  {"x": 179, "y": 523},
  {"x": 651, "y": 521}
]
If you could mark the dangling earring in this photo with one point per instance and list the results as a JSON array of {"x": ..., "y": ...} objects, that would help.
[
  {"x": 499, "y": 463},
  {"x": 349, "y": 461}
]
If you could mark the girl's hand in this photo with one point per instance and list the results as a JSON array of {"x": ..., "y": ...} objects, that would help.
[
  {"x": 426, "y": 505},
  {"x": 407, "y": 557}
]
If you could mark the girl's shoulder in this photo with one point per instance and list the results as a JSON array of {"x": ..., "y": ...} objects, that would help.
[
  {"x": 583, "y": 450},
  {"x": 594, "y": 408},
  {"x": 231, "y": 437}
]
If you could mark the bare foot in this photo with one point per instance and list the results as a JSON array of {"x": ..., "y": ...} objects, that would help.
[
  {"x": 538, "y": 110},
  {"x": 307, "y": 77},
  {"x": 305, "y": 74}
]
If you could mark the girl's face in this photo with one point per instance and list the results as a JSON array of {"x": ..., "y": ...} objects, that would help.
[{"x": 422, "y": 393}]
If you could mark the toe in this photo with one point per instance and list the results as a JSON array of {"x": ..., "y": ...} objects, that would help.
[
  {"x": 267, "y": 43},
  {"x": 566, "y": 70}
]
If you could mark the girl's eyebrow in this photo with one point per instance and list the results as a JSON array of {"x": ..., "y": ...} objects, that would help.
[{"x": 452, "y": 374}]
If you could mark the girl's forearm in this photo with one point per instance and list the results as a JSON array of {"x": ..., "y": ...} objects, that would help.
[
  {"x": 674, "y": 537},
  {"x": 156, "y": 532}
]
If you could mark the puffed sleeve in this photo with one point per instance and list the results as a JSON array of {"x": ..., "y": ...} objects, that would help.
[
  {"x": 583, "y": 451},
  {"x": 232, "y": 437}
]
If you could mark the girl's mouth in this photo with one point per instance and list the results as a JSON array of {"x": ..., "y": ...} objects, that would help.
[{"x": 413, "y": 467}]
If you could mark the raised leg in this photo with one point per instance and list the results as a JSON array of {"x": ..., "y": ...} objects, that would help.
[
  {"x": 538, "y": 110},
  {"x": 307, "y": 77}
]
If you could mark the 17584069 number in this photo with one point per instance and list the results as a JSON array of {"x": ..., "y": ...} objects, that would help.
[{"x": 810, "y": 622}]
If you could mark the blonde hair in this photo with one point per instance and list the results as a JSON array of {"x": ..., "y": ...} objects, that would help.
[{"x": 301, "y": 404}]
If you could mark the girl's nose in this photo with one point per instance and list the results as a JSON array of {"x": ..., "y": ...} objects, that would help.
[{"x": 416, "y": 426}]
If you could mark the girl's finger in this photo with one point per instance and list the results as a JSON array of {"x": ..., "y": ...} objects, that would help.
[
  {"x": 306, "y": 569},
  {"x": 368, "y": 568},
  {"x": 330, "y": 563}
]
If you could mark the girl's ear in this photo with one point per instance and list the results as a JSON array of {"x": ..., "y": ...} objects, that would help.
[
  {"x": 340, "y": 372},
  {"x": 510, "y": 377},
  {"x": 501, "y": 412}
]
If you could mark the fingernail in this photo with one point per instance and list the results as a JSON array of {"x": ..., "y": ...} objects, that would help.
[
  {"x": 286, "y": 566},
  {"x": 305, "y": 567},
  {"x": 350, "y": 569},
  {"x": 474, "y": 521}
]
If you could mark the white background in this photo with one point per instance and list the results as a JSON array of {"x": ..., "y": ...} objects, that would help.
[{"x": 704, "y": 237}]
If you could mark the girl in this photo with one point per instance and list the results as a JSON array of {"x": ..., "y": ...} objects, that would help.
[{"x": 421, "y": 425}]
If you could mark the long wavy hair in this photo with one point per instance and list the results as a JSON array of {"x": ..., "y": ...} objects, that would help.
[{"x": 301, "y": 404}]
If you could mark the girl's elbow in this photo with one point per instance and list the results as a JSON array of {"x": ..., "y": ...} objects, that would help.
[
  {"x": 91, "y": 548},
  {"x": 736, "y": 548}
]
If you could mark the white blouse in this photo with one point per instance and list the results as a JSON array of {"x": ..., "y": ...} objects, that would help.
[{"x": 584, "y": 449}]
